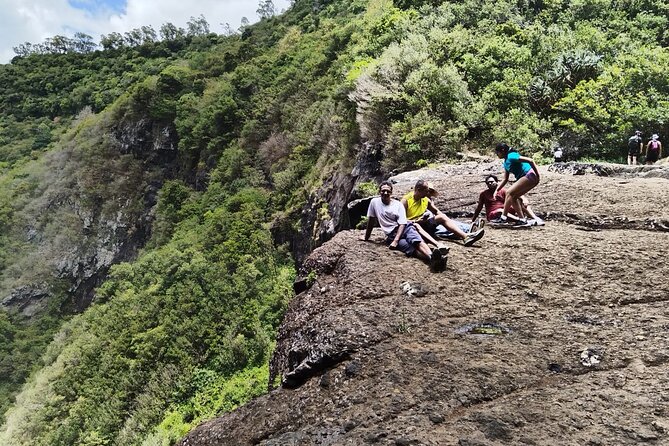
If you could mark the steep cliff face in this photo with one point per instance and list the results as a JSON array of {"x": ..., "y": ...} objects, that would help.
[
  {"x": 93, "y": 207},
  {"x": 326, "y": 211},
  {"x": 551, "y": 335}
]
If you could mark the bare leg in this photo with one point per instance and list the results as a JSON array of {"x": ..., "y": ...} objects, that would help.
[
  {"x": 450, "y": 225},
  {"x": 518, "y": 204},
  {"x": 426, "y": 236},
  {"x": 520, "y": 188},
  {"x": 423, "y": 251},
  {"x": 528, "y": 209}
]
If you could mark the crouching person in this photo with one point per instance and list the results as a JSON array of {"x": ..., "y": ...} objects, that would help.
[{"x": 400, "y": 233}]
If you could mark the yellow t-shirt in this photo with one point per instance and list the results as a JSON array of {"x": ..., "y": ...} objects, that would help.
[{"x": 415, "y": 208}]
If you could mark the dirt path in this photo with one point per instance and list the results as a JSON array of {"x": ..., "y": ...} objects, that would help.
[{"x": 554, "y": 335}]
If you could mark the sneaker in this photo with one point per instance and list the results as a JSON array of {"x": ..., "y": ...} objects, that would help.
[
  {"x": 437, "y": 261},
  {"x": 537, "y": 222},
  {"x": 499, "y": 221},
  {"x": 443, "y": 250},
  {"x": 476, "y": 225},
  {"x": 474, "y": 237}
]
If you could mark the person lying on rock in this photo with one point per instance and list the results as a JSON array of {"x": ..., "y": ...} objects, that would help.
[
  {"x": 495, "y": 205},
  {"x": 527, "y": 177},
  {"x": 421, "y": 210},
  {"x": 401, "y": 234}
]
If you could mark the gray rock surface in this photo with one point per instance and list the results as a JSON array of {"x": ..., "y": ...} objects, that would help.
[{"x": 553, "y": 335}]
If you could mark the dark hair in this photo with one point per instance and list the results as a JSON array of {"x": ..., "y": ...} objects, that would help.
[
  {"x": 421, "y": 184},
  {"x": 386, "y": 183},
  {"x": 494, "y": 177},
  {"x": 502, "y": 147}
]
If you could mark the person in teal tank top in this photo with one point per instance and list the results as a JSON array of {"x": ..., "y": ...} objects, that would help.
[{"x": 527, "y": 177}]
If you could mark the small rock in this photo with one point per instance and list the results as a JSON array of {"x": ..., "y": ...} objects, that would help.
[
  {"x": 325, "y": 380},
  {"x": 349, "y": 425},
  {"x": 436, "y": 418},
  {"x": 590, "y": 357},
  {"x": 375, "y": 438},
  {"x": 554, "y": 367},
  {"x": 352, "y": 369},
  {"x": 413, "y": 289},
  {"x": 429, "y": 357},
  {"x": 403, "y": 442}
]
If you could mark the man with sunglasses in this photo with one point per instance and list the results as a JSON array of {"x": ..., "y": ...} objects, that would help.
[
  {"x": 401, "y": 234},
  {"x": 494, "y": 205}
]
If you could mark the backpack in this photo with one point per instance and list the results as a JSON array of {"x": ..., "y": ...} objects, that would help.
[
  {"x": 654, "y": 145},
  {"x": 633, "y": 143}
]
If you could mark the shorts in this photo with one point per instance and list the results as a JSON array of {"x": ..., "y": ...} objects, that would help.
[
  {"x": 632, "y": 152},
  {"x": 408, "y": 240},
  {"x": 532, "y": 176},
  {"x": 652, "y": 156},
  {"x": 428, "y": 222}
]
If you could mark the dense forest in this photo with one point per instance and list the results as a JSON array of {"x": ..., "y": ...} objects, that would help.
[{"x": 207, "y": 150}]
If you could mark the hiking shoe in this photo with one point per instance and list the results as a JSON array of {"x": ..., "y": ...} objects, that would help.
[
  {"x": 476, "y": 225},
  {"x": 474, "y": 237},
  {"x": 443, "y": 250},
  {"x": 437, "y": 261}
]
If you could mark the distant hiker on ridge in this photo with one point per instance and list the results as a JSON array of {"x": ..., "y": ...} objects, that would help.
[
  {"x": 634, "y": 148},
  {"x": 420, "y": 209},
  {"x": 653, "y": 150},
  {"x": 401, "y": 234}
]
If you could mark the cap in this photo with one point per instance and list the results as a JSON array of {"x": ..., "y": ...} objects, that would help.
[{"x": 655, "y": 137}]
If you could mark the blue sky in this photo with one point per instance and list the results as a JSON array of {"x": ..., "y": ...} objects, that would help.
[
  {"x": 95, "y": 7},
  {"x": 35, "y": 20}
]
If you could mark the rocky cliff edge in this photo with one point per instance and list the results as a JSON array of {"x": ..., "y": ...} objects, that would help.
[{"x": 553, "y": 335}]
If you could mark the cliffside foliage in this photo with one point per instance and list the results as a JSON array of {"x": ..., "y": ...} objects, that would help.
[{"x": 194, "y": 145}]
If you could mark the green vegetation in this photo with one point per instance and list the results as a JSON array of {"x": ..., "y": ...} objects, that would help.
[{"x": 261, "y": 120}]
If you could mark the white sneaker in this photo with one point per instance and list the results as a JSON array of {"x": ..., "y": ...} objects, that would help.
[
  {"x": 537, "y": 222},
  {"x": 473, "y": 237},
  {"x": 476, "y": 225}
]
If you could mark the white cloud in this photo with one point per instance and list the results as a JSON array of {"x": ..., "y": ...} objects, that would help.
[{"x": 35, "y": 20}]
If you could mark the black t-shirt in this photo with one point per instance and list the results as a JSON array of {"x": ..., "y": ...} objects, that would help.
[{"x": 633, "y": 144}]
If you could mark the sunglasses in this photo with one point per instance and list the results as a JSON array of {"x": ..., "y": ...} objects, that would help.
[
  {"x": 491, "y": 182},
  {"x": 386, "y": 192}
]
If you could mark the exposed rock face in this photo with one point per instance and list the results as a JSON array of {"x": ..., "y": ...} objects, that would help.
[
  {"x": 325, "y": 213},
  {"x": 29, "y": 300},
  {"x": 552, "y": 335},
  {"x": 90, "y": 217}
]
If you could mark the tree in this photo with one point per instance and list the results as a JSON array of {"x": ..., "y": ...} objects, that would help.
[
  {"x": 24, "y": 49},
  {"x": 112, "y": 41},
  {"x": 266, "y": 9},
  {"x": 148, "y": 34},
  {"x": 244, "y": 23},
  {"x": 83, "y": 43},
  {"x": 197, "y": 26},
  {"x": 170, "y": 32},
  {"x": 133, "y": 37},
  {"x": 227, "y": 29}
]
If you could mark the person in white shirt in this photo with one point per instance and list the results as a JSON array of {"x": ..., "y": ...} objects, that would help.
[{"x": 401, "y": 234}]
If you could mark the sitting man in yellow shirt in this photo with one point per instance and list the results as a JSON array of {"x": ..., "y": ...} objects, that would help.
[{"x": 419, "y": 208}]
